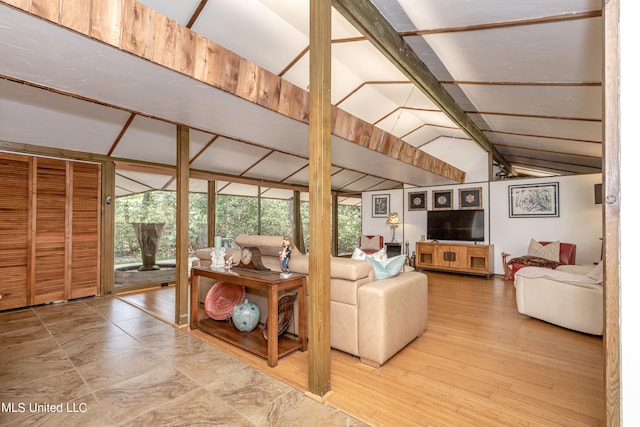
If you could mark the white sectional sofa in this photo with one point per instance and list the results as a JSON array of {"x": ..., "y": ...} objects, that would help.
[
  {"x": 372, "y": 319},
  {"x": 570, "y": 296}
]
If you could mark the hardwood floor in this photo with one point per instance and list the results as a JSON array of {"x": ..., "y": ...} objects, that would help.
[{"x": 480, "y": 363}]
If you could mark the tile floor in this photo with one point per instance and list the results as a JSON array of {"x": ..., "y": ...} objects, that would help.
[{"x": 103, "y": 362}]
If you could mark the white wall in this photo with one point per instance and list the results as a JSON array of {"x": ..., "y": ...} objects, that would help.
[
  {"x": 629, "y": 208},
  {"x": 580, "y": 219},
  {"x": 372, "y": 225}
]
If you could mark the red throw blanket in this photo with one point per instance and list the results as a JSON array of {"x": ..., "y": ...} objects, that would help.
[{"x": 534, "y": 261}]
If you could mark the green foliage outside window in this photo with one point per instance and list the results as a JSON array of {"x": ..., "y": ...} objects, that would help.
[{"x": 235, "y": 215}]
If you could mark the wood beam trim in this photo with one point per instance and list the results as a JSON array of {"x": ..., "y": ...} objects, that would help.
[
  {"x": 176, "y": 48},
  {"x": 370, "y": 22}
]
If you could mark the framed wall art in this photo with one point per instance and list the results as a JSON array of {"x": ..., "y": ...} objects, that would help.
[
  {"x": 380, "y": 205},
  {"x": 534, "y": 200},
  {"x": 470, "y": 198},
  {"x": 442, "y": 199},
  {"x": 418, "y": 201}
]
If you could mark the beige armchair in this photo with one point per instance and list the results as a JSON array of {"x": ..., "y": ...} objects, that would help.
[{"x": 570, "y": 296}]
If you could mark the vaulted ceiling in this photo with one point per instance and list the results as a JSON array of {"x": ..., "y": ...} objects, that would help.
[{"x": 521, "y": 80}]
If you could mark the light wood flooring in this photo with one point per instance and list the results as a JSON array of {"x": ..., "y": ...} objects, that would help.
[{"x": 480, "y": 363}]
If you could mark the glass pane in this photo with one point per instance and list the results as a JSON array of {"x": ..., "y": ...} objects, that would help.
[
  {"x": 276, "y": 217},
  {"x": 349, "y": 228},
  {"x": 236, "y": 215}
]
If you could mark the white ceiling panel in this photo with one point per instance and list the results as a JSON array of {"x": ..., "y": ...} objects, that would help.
[
  {"x": 425, "y": 134},
  {"x": 252, "y": 30},
  {"x": 570, "y": 129},
  {"x": 405, "y": 94},
  {"x": 46, "y": 118},
  {"x": 401, "y": 122},
  {"x": 236, "y": 189},
  {"x": 545, "y": 52},
  {"x": 126, "y": 186},
  {"x": 366, "y": 61},
  {"x": 462, "y": 153},
  {"x": 149, "y": 140},
  {"x": 368, "y": 104},
  {"x": 180, "y": 11},
  {"x": 277, "y": 167},
  {"x": 229, "y": 156},
  {"x": 195, "y": 186},
  {"x": 590, "y": 149},
  {"x": 433, "y": 14},
  {"x": 566, "y": 101},
  {"x": 277, "y": 193},
  {"x": 344, "y": 177},
  {"x": 154, "y": 180}
]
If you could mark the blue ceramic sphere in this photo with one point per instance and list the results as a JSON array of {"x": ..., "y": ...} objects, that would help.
[{"x": 245, "y": 316}]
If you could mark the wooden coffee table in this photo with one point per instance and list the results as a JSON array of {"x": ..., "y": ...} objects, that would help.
[{"x": 254, "y": 342}]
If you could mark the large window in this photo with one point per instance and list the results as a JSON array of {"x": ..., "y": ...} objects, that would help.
[
  {"x": 235, "y": 214},
  {"x": 156, "y": 207}
]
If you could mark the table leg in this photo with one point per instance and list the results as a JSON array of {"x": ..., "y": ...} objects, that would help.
[
  {"x": 302, "y": 314},
  {"x": 272, "y": 327},
  {"x": 195, "y": 282}
]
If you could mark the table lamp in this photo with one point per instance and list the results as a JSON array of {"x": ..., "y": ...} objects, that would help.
[{"x": 394, "y": 221}]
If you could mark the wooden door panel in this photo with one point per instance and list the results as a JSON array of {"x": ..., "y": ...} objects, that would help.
[
  {"x": 85, "y": 226},
  {"x": 460, "y": 261},
  {"x": 14, "y": 231},
  {"x": 50, "y": 230}
]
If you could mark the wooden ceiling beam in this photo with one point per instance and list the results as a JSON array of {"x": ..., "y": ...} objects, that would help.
[{"x": 364, "y": 16}]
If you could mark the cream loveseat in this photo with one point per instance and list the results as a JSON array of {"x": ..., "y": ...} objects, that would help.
[
  {"x": 570, "y": 296},
  {"x": 372, "y": 319}
]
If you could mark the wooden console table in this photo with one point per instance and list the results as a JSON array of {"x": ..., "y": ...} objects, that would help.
[
  {"x": 273, "y": 348},
  {"x": 455, "y": 257}
]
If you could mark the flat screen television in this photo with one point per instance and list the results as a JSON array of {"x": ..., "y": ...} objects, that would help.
[{"x": 458, "y": 225}]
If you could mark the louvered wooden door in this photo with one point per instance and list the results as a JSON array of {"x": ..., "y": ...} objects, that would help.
[
  {"x": 85, "y": 232},
  {"x": 14, "y": 230},
  {"x": 49, "y": 230},
  {"x": 49, "y": 207}
]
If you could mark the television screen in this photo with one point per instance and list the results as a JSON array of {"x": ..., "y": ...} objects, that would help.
[{"x": 462, "y": 225}]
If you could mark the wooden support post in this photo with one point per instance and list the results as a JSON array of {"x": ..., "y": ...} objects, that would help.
[
  {"x": 108, "y": 204},
  {"x": 182, "y": 225},
  {"x": 611, "y": 193},
  {"x": 334, "y": 224},
  {"x": 320, "y": 198},
  {"x": 298, "y": 236},
  {"x": 211, "y": 213}
]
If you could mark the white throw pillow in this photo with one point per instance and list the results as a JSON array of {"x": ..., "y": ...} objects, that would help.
[
  {"x": 359, "y": 254},
  {"x": 550, "y": 251}
]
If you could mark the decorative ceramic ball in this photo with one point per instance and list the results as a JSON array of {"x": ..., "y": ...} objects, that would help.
[{"x": 245, "y": 316}]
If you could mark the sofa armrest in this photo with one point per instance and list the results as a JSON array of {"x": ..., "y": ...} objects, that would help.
[{"x": 391, "y": 313}]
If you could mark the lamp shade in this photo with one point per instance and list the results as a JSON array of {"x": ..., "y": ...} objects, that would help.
[{"x": 393, "y": 218}]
